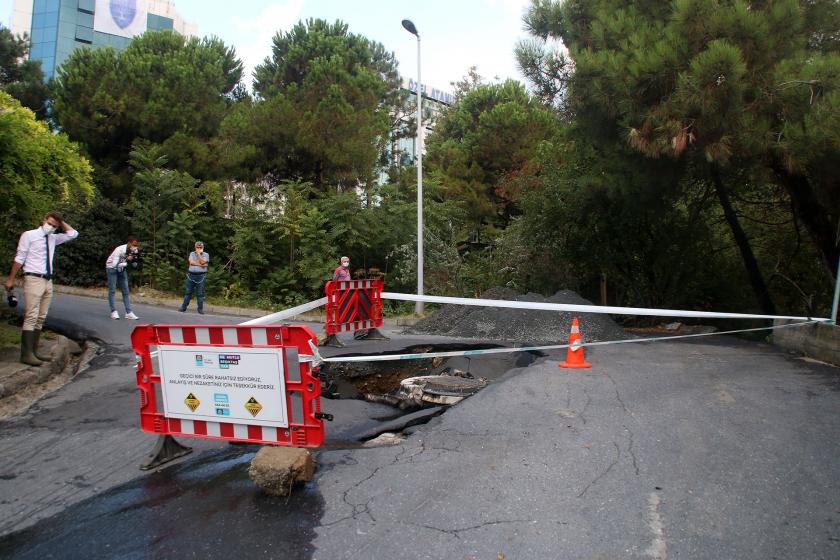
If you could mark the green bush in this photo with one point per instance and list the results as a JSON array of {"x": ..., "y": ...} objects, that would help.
[{"x": 102, "y": 227}]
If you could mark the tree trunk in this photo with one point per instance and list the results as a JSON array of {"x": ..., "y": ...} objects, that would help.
[
  {"x": 750, "y": 263},
  {"x": 814, "y": 215}
]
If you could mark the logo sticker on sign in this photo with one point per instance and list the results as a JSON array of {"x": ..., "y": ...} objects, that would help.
[{"x": 222, "y": 404}]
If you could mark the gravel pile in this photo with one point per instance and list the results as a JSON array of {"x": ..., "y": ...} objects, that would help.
[{"x": 520, "y": 325}]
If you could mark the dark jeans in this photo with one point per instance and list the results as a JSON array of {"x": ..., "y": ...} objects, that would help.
[
  {"x": 195, "y": 281},
  {"x": 118, "y": 278}
]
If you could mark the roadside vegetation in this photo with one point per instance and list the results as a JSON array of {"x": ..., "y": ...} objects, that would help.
[
  {"x": 680, "y": 154},
  {"x": 9, "y": 329}
]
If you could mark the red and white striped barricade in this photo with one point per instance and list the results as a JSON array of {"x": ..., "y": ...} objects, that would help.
[
  {"x": 353, "y": 305},
  {"x": 232, "y": 382}
]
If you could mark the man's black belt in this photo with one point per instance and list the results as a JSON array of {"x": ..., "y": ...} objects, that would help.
[
  {"x": 196, "y": 272},
  {"x": 44, "y": 276}
]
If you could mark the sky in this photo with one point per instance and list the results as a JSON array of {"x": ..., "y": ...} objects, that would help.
[{"x": 454, "y": 34}]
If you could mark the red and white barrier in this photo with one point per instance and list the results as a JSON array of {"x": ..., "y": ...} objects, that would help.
[
  {"x": 353, "y": 305},
  {"x": 232, "y": 382}
]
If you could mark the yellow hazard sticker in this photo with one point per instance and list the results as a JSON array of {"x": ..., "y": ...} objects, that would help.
[
  {"x": 192, "y": 402},
  {"x": 253, "y": 406}
]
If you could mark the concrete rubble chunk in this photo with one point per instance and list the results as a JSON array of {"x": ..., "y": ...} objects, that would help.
[
  {"x": 387, "y": 438},
  {"x": 439, "y": 389},
  {"x": 276, "y": 469}
]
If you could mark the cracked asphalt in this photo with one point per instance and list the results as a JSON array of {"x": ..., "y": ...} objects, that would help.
[
  {"x": 684, "y": 450},
  {"x": 714, "y": 449}
]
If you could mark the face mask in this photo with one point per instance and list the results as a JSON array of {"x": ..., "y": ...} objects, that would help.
[
  {"x": 345, "y": 264},
  {"x": 48, "y": 229}
]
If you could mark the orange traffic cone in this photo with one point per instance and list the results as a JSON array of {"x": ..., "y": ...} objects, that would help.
[{"x": 574, "y": 354}]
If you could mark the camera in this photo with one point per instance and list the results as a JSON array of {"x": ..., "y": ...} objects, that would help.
[
  {"x": 136, "y": 256},
  {"x": 11, "y": 298}
]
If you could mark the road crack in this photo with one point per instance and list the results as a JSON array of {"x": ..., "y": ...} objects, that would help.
[
  {"x": 362, "y": 508},
  {"x": 605, "y": 473},
  {"x": 630, "y": 451},
  {"x": 457, "y": 532},
  {"x": 585, "y": 406}
]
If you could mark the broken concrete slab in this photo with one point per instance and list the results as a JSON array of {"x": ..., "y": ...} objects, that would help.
[
  {"x": 276, "y": 469},
  {"x": 387, "y": 438},
  {"x": 439, "y": 389},
  {"x": 399, "y": 424}
]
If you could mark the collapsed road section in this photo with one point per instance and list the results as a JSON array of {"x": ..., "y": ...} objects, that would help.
[{"x": 405, "y": 393}]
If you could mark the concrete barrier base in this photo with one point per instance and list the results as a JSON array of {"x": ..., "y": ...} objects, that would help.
[{"x": 820, "y": 341}]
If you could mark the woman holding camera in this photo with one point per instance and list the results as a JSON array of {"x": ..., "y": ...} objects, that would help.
[{"x": 116, "y": 268}]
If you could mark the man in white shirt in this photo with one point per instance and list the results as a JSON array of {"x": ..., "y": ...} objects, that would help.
[
  {"x": 116, "y": 270},
  {"x": 35, "y": 253}
]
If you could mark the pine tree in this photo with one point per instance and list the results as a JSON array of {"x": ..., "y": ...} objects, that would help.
[{"x": 735, "y": 87}]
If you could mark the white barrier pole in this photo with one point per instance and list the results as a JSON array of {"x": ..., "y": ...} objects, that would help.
[
  {"x": 589, "y": 308},
  {"x": 286, "y": 313}
]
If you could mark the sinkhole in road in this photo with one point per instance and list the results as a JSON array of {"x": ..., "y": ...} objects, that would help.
[{"x": 455, "y": 377}]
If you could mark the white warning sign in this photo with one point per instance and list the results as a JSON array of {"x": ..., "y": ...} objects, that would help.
[{"x": 224, "y": 384}]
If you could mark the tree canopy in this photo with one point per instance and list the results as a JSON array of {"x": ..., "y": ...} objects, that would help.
[
  {"x": 39, "y": 171},
  {"x": 21, "y": 77},
  {"x": 163, "y": 87},
  {"x": 331, "y": 94},
  {"x": 485, "y": 146},
  {"x": 742, "y": 86},
  {"x": 678, "y": 150}
]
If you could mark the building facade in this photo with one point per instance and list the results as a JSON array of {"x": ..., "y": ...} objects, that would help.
[
  {"x": 57, "y": 27},
  {"x": 404, "y": 150}
]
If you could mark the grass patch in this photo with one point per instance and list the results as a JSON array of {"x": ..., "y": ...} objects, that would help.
[{"x": 9, "y": 329}]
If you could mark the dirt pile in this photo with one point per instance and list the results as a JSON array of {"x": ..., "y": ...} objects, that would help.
[{"x": 520, "y": 325}]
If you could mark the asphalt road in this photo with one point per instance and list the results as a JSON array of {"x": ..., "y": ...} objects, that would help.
[{"x": 713, "y": 449}]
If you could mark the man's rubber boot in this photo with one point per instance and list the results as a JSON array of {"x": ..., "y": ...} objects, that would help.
[
  {"x": 27, "y": 340},
  {"x": 35, "y": 347}
]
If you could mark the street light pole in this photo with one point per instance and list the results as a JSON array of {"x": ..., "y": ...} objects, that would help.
[
  {"x": 836, "y": 303},
  {"x": 418, "y": 308}
]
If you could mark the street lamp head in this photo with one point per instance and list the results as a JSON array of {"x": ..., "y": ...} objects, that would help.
[{"x": 409, "y": 26}]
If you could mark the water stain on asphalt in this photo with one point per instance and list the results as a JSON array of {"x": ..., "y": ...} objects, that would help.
[{"x": 205, "y": 508}]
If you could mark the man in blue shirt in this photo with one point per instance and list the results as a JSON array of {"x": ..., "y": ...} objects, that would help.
[
  {"x": 35, "y": 253},
  {"x": 196, "y": 273}
]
